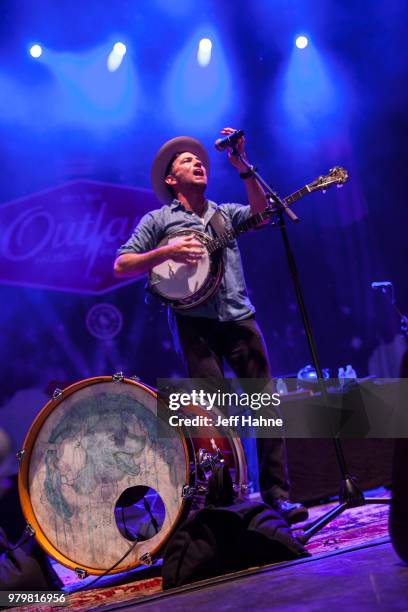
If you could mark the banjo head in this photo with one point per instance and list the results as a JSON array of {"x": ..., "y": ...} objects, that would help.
[{"x": 173, "y": 280}]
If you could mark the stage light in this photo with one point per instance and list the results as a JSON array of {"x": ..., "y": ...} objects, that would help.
[
  {"x": 302, "y": 42},
  {"x": 204, "y": 52},
  {"x": 196, "y": 88},
  {"x": 116, "y": 56},
  {"x": 89, "y": 93},
  {"x": 310, "y": 101},
  {"x": 119, "y": 48},
  {"x": 36, "y": 51}
]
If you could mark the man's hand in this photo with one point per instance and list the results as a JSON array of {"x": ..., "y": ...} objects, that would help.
[
  {"x": 186, "y": 250},
  {"x": 240, "y": 147},
  {"x": 255, "y": 193}
]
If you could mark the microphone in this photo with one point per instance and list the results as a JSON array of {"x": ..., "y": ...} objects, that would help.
[
  {"x": 381, "y": 285},
  {"x": 228, "y": 141}
]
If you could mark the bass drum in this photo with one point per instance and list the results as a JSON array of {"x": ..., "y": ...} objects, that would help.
[{"x": 95, "y": 479}]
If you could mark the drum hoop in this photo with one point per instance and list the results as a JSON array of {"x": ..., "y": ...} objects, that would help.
[{"x": 23, "y": 477}]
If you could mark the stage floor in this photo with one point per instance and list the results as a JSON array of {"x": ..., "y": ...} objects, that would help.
[
  {"x": 353, "y": 567},
  {"x": 365, "y": 579}
]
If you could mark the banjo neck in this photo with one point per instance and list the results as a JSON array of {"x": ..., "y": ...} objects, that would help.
[{"x": 227, "y": 236}]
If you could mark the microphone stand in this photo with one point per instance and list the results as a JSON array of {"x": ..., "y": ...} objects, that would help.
[{"x": 350, "y": 496}]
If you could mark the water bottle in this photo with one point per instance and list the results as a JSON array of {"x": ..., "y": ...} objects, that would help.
[
  {"x": 342, "y": 377},
  {"x": 350, "y": 372},
  {"x": 281, "y": 387}
]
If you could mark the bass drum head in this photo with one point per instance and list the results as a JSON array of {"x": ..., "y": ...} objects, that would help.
[{"x": 86, "y": 451}]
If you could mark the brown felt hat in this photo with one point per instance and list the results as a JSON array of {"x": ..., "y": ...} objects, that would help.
[{"x": 166, "y": 154}]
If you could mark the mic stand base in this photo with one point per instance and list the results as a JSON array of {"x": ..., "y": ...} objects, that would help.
[{"x": 350, "y": 496}]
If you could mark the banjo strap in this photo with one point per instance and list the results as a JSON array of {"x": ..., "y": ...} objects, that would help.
[{"x": 217, "y": 223}]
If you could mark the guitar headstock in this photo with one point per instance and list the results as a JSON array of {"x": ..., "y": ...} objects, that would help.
[{"x": 337, "y": 176}]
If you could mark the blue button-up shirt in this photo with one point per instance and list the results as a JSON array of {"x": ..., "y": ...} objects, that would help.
[{"x": 231, "y": 301}]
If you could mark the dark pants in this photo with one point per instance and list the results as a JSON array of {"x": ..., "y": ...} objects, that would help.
[{"x": 205, "y": 343}]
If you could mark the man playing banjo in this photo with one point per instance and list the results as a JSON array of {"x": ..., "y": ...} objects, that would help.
[{"x": 213, "y": 315}]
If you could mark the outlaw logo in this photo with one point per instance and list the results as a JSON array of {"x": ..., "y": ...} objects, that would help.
[{"x": 66, "y": 238}]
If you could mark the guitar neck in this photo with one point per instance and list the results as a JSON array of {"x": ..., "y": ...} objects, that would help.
[{"x": 223, "y": 239}]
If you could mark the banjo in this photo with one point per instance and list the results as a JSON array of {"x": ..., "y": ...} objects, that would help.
[{"x": 185, "y": 286}]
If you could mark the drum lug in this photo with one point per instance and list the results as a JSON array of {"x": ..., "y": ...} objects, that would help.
[
  {"x": 118, "y": 377},
  {"x": 187, "y": 491},
  {"x": 20, "y": 455},
  {"x": 57, "y": 393},
  {"x": 146, "y": 559},
  {"x": 81, "y": 573},
  {"x": 134, "y": 377},
  {"x": 29, "y": 530}
]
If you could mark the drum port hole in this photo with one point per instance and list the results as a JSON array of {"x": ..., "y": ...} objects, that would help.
[{"x": 139, "y": 513}]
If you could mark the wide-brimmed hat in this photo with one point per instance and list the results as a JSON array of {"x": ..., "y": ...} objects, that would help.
[{"x": 163, "y": 158}]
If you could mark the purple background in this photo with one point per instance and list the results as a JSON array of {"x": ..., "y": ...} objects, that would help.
[{"x": 71, "y": 148}]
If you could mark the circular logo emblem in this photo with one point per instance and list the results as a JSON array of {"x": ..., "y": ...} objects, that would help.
[{"x": 104, "y": 321}]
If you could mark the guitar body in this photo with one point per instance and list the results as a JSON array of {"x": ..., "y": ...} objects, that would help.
[{"x": 182, "y": 285}]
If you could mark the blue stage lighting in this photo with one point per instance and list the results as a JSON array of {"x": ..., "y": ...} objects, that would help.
[
  {"x": 197, "y": 99},
  {"x": 177, "y": 8},
  {"x": 119, "y": 48},
  {"x": 302, "y": 42},
  {"x": 36, "y": 51},
  {"x": 311, "y": 98},
  {"x": 116, "y": 56},
  {"x": 90, "y": 94},
  {"x": 204, "y": 52}
]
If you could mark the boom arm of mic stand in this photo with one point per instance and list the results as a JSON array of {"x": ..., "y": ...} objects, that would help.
[{"x": 270, "y": 194}]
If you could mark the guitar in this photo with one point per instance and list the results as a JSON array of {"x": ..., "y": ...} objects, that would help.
[{"x": 185, "y": 286}]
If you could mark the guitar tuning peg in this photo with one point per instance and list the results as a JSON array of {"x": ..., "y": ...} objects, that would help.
[{"x": 324, "y": 190}]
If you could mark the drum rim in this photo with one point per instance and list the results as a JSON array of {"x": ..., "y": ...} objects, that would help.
[{"x": 23, "y": 477}]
